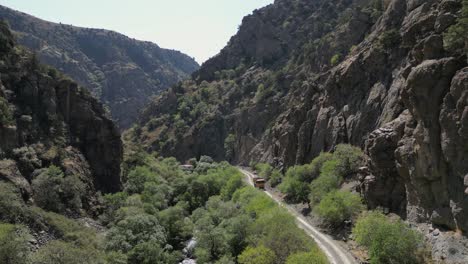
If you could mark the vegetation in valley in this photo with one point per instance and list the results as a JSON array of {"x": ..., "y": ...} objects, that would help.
[{"x": 161, "y": 208}]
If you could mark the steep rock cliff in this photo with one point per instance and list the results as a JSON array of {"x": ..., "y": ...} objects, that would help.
[
  {"x": 47, "y": 119},
  {"x": 123, "y": 73}
]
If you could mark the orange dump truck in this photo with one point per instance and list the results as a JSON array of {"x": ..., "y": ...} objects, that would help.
[{"x": 259, "y": 182}]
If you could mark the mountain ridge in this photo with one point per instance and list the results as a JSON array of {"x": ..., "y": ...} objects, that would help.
[{"x": 124, "y": 73}]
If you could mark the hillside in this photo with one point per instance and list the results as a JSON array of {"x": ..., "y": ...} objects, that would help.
[
  {"x": 123, "y": 73},
  {"x": 302, "y": 76},
  {"x": 47, "y": 119}
]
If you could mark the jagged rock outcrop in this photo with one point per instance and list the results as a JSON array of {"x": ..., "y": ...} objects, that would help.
[
  {"x": 389, "y": 85},
  {"x": 123, "y": 73},
  {"x": 47, "y": 119}
]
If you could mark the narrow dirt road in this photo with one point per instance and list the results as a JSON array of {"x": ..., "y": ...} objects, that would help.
[{"x": 335, "y": 253}]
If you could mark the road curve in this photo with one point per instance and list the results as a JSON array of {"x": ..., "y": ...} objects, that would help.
[{"x": 335, "y": 253}]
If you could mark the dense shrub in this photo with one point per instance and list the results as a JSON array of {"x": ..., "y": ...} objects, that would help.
[
  {"x": 328, "y": 181},
  {"x": 234, "y": 183},
  {"x": 12, "y": 207},
  {"x": 59, "y": 252},
  {"x": 13, "y": 244},
  {"x": 335, "y": 59},
  {"x": 349, "y": 159},
  {"x": 456, "y": 37},
  {"x": 264, "y": 170},
  {"x": 276, "y": 178},
  {"x": 257, "y": 255},
  {"x": 390, "y": 39},
  {"x": 314, "y": 256},
  {"x": 6, "y": 118},
  {"x": 276, "y": 229},
  {"x": 316, "y": 165},
  {"x": 388, "y": 241},
  {"x": 151, "y": 252},
  {"x": 296, "y": 191},
  {"x": 47, "y": 189},
  {"x": 137, "y": 178},
  {"x": 134, "y": 230},
  {"x": 53, "y": 192},
  {"x": 302, "y": 173},
  {"x": 339, "y": 206}
]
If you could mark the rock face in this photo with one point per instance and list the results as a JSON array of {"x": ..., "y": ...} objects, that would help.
[
  {"x": 122, "y": 72},
  {"x": 302, "y": 76},
  {"x": 47, "y": 119}
]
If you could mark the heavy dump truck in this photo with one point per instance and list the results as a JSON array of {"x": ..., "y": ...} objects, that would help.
[{"x": 259, "y": 183}]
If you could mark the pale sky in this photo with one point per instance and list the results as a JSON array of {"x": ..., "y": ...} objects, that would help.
[{"x": 199, "y": 28}]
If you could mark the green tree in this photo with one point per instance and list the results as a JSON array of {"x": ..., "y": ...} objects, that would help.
[
  {"x": 257, "y": 255},
  {"x": 137, "y": 178},
  {"x": 339, "y": 206},
  {"x": 177, "y": 224},
  {"x": 134, "y": 230},
  {"x": 315, "y": 256},
  {"x": 151, "y": 253},
  {"x": 232, "y": 185},
  {"x": 388, "y": 241}
]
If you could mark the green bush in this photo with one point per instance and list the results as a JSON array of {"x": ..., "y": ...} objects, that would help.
[
  {"x": 302, "y": 173},
  {"x": 59, "y": 252},
  {"x": 315, "y": 256},
  {"x": 335, "y": 59},
  {"x": 349, "y": 159},
  {"x": 67, "y": 229},
  {"x": 13, "y": 244},
  {"x": 328, "y": 181},
  {"x": 456, "y": 37},
  {"x": 316, "y": 165},
  {"x": 53, "y": 192},
  {"x": 276, "y": 229},
  {"x": 232, "y": 185},
  {"x": 47, "y": 189},
  {"x": 257, "y": 255},
  {"x": 177, "y": 224},
  {"x": 338, "y": 206},
  {"x": 134, "y": 230},
  {"x": 12, "y": 207},
  {"x": 390, "y": 39},
  {"x": 264, "y": 170},
  {"x": 137, "y": 178},
  {"x": 6, "y": 118},
  {"x": 276, "y": 178},
  {"x": 296, "y": 191},
  {"x": 151, "y": 253},
  {"x": 388, "y": 241}
]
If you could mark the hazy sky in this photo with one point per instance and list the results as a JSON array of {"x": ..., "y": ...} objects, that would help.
[{"x": 199, "y": 28}]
